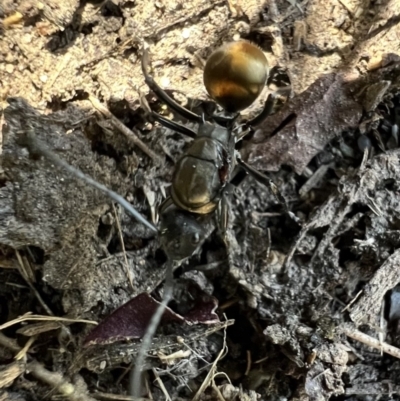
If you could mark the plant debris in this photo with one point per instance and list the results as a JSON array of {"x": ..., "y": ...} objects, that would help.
[{"x": 278, "y": 311}]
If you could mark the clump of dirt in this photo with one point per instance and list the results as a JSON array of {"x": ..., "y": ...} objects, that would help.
[{"x": 290, "y": 310}]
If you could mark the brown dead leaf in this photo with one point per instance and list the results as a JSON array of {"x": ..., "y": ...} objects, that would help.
[
  {"x": 332, "y": 104},
  {"x": 309, "y": 122}
]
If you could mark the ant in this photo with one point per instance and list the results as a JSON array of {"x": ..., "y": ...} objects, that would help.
[{"x": 234, "y": 76}]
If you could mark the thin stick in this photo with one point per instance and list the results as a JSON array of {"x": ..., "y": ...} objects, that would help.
[
  {"x": 37, "y": 146},
  {"x": 148, "y": 390},
  {"x": 248, "y": 358},
  {"x": 9, "y": 343},
  {"x": 57, "y": 381},
  {"x": 370, "y": 341},
  {"x": 1, "y": 132},
  {"x": 218, "y": 392},
  {"x": 116, "y": 397},
  {"x": 54, "y": 380},
  {"x": 121, "y": 239},
  {"x": 124, "y": 130},
  {"x": 211, "y": 373},
  {"x": 26, "y": 277},
  {"x": 135, "y": 389},
  {"x": 352, "y": 301},
  {"x": 382, "y": 321},
  {"x": 161, "y": 384},
  {"x": 62, "y": 64}
]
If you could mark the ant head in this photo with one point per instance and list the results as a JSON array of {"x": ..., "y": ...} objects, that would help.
[
  {"x": 235, "y": 75},
  {"x": 180, "y": 234}
]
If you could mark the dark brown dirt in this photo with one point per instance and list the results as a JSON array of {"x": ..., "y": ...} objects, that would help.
[{"x": 286, "y": 294}]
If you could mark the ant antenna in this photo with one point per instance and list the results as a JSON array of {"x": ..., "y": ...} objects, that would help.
[
  {"x": 36, "y": 146},
  {"x": 136, "y": 374}
]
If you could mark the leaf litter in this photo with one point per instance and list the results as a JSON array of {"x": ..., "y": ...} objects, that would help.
[{"x": 303, "y": 304}]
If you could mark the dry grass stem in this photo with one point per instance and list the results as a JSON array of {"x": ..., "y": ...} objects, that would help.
[
  {"x": 121, "y": 239},
  {"x": 116, "y": 397},
  {"x": 212, "y": 372},
  {"x": 22, "y": 353},
  {"x": 31, "y": 317},
  {"x": 27, "y": 274},
  {"x": 161, "y": 384},
  {"x": 352, "y": 301}
]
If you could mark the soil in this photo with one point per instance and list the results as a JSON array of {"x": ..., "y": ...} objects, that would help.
[{"x": 303, "y": 308}]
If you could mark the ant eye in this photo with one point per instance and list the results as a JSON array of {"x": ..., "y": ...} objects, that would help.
[{"x": 195, "y": 238}]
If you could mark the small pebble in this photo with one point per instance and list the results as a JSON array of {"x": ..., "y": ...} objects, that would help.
[
  {"x": 9, "y": 68},
  {"x": 26, "y": 39},
  {"x": 185, "y": 33},
  {"x": 164, "y": 81}
]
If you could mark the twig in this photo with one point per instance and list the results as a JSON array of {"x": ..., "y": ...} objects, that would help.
[
  {"x": 26, "y": 276},
  {"x": 2, "y": 124},
  {"x": 62, "y": 64},
  {"x": 382, "y": 325},
  {"x": 38, "y": 147},
  {"x": 218, "y": 392},
  {"x": 320, "y": 374},
  {"x": 116, "y": 397},
  {"x": 161, "y": 384},
  {"x": 352, "y": 301},
  {"x": 25, "y": 269},
  {"x": 228, "y": 304},
  {"x": 121, "y": 239},
  {"x": 354, "y": 351},
  {"x": 211, "y": 373},
  {"x": 9, "y": 343},
  {"x": 383, "y": 280},
  {"x": 148, "y": 390},
  {"x": 124, "y": 130},
  {"x": 194, "y": 352},
  {"x": 135, "y": 389},
  {"x": 248, "y": 358},
  {"x": 274, "y": 10},
  {"x": 314, "y": 179},
  {"x": 370, "y": 341},
  {"x": 57, "y": 381}
]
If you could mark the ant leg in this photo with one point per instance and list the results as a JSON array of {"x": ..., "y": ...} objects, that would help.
[
  {"x": 269, "y": 106},
  {"x": 165, "y": 122},
  {"x": 162, "y": 95},
  {"x": 263, "y": 179}
]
